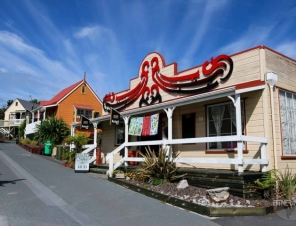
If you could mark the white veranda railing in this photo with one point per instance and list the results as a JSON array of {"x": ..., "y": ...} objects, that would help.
[{"x": 239, "y": 160}]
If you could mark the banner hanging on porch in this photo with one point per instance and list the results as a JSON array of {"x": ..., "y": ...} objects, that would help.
[
  {"x": 136, "y": 125},
  {"x": 144, "y": 126}
]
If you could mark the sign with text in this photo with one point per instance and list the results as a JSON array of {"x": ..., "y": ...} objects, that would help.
[
  {"x": 84, "y": 123},
  {"x": 115, "y": 117},
  {"x": 81, "y": 163}
]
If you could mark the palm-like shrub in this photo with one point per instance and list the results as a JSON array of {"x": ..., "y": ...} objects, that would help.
[
  {"x": 21, "y": 130},
  {"x": 159, "y": 168},
  {"x": 55, "y": 130}
]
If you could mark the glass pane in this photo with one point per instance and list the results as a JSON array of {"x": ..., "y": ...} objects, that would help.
[
  {"x": 226, "y": 127},
  {"x": 212, "y": 130}
]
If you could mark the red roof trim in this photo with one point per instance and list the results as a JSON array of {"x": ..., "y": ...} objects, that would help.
[
  {"x": 60, "y": 95},
  {"x": 250, "y": 84}
]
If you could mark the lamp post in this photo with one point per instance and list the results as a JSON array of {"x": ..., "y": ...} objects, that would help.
[{"x": 41, "y": 110}]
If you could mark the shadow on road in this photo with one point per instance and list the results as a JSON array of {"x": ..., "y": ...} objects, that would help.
[{"x": 2, "y": 182}]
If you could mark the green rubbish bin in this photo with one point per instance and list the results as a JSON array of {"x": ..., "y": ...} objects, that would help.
[{"x": 47, "y": 148}]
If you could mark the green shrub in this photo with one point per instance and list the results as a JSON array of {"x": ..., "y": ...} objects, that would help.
[
  {"x": 21, "y": 130},
  {"x": 156, "y": 181},
  {"x": 79, "y": 140},
  {"x": 287, "y": 183},
  {"x": 55, "y": 130},
  {"x": 268, "y": 184},
  {"x": 34, "y": 142},
  {"x": 277, "y": 181},
  {"x": 26, "y": 141}
]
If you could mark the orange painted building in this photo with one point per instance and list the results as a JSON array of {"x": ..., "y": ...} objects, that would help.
[{"x": 69, "y": 104}]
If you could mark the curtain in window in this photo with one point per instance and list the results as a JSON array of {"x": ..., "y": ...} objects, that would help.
[
  {"x": 285, "y": 133},
  {"x": 288, "y": 121},
  {"x": 232, "y": 112},
  {"x": 217, "y": 115}
]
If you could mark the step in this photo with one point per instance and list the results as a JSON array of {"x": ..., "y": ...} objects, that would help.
[
  {"x": 98, "y": 175},
  {"x": 98, "y": 170}
]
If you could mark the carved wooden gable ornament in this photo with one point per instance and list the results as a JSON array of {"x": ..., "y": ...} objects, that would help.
[{"x": 153, "y": 79}]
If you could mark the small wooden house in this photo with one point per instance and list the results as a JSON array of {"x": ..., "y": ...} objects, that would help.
[{"x": 70, "y": 104}]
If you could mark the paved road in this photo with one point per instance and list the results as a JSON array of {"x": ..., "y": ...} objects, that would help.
[{"x": 35, "y": 191}]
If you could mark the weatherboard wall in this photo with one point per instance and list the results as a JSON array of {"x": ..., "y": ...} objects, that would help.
[
  {"x": 66, "y": 109},
  {"x": 285, "y": 68}
]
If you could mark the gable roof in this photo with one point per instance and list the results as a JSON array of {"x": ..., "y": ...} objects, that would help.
[
  {"x": 65, "y": 92},
  {"x": 27, "y": 104},
  {"x": 57, "y": 98}
]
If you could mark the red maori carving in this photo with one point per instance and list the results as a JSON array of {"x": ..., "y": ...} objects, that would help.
[{"x": 184, "y": 84}]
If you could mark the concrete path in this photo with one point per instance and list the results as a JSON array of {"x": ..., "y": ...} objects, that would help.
[{"x": 35, "y": 191}]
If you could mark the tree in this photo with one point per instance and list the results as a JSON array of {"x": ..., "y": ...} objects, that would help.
[
  {"x": 35, "y": 101},
  {"x": 22, "y": 127},
  {"x": 2, "y": 110},
  {"x": 9, "y": 102}
]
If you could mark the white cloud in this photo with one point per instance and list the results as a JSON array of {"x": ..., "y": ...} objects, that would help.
[
  {"x": 207, "y": 10},
  {"x": 254, "y": 36},
  {"x": 288, "y": 49},
  {"x": 87, "y": 32}
]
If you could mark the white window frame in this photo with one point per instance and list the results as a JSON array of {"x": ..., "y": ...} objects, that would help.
[
  {"x": 288, "y": 125},
  {"x": 83, "y": 111},
  {"x": 243, "y": 125}
]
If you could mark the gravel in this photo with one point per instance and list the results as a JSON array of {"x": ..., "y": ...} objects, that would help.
[{"x": 199, "y": 195}]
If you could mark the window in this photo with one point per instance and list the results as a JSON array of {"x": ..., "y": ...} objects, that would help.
[
  {"x": 86, "y": 113},
  {"x": 188, "y": 125},
  {"x": 16, "y": 103},
  {"x": 96, "y": 114},
  {"x": 288, "y": 122},
  {"x": 119, "y": 133},
  {"x": 221, "y": 121},
  {"x": 83, "y": 89}
]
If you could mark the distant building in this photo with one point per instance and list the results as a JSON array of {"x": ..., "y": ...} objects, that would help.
[
  {"x": 15, "y": 114},
  {"x": 69, "y": 104}
]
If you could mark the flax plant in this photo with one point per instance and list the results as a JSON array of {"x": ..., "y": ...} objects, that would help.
[{"x": 159, "y": 168}]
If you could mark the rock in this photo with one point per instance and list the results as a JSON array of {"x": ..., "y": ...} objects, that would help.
[
  {"x": 231, "y": 200},
  {"x": 186, "y": 196},
  {"x": 238, "y": 202},
  {"x": 194, "y": 201},
  {"x": 248, "y": 202},
  {"x": 182, "y": 184},
  {"x": 119, "y": 175},
  {"x": 127, "y": 178},
  {"x": 219, "y": 194}
]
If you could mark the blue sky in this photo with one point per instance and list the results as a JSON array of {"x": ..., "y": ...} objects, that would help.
[{"x": 46, "y": 45}]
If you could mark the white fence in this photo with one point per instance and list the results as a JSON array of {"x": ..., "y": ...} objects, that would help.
[{"x": 240, "y": 160}]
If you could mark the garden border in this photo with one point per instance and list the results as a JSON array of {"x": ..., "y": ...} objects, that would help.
[{"x": 204, "y": 210}]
